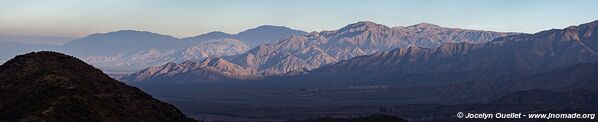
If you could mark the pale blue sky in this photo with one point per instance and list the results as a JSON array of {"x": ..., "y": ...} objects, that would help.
[{"x": 181, "y": 18}]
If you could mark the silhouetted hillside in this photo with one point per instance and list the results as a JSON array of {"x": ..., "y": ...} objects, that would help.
[{"x": 49, "y": 86}]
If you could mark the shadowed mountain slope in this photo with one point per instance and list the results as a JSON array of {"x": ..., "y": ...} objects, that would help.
[
  {"x": 316, "y": 49},
  {"x": 518, "y": 54}
]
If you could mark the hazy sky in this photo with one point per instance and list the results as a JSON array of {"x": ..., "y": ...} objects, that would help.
[{"x": 181, "y": 18}]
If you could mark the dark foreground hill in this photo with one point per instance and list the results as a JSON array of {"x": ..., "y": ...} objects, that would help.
[{"x": 49, "y": 86}]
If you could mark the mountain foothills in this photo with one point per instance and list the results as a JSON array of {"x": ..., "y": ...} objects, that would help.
[
  {"x": 300, "y": 53},
  {"x": 209, "y": 70},
  {"x": 49, "y": 86}
]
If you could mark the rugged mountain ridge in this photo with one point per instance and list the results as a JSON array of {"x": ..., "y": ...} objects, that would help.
[
  {"x": 362, "y": 38},
  {"x": 49, "y": 86},
  {"x": 298, "y": 54},
  {"x": 557, "y": 60},
  {"x": 543, "y": 51},
  {"x": 209, "y": 70},
  {"x": 533, "y": 53}
]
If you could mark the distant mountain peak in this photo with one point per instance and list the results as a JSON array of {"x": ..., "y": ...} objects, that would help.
[
  {"x": 118, "y": 42},
  {"x": 217, "y": 33},
  {"x": 265, "y": 34},
  {"x": 364, "y": 25},
  {"x": 252, "y": 37},
  {"x": 128, "y": 30},
  {"x": 425, "y": 25},
  {"x": 264, "y": 28},
  {"x": 211, "y": 35},
  {"x": 132, "y": 32},
  {"x": 271, "y": 26},
  {"x": 365, "y": 22}
]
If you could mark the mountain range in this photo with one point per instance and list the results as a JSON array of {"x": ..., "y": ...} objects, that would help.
[
  {"x": 360, "y": 64},
  {"x": 552, "y": 71},
  {"x": 135, "y": 50},
  {"x": 300, "y": 53},
  {"x": 131, "y": 41},
  {"x": 525, "y": 53},
  {"x": 362, "y": 38},
  {"x": 155, "y": 56},
  {"x": 557, "y": 59},
  {"x": 49, "y": 86}
]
